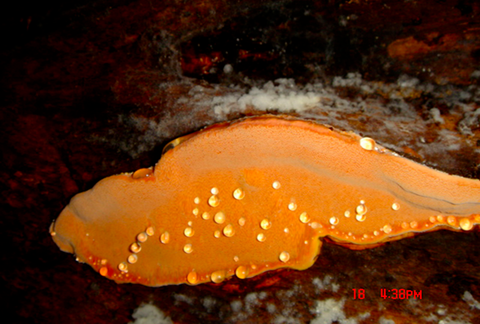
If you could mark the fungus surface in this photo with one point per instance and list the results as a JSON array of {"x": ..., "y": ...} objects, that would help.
[{"x": 253, "y": 195}]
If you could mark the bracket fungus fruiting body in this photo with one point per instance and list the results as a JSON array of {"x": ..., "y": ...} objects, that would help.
[{"x": 253, "y": 195}]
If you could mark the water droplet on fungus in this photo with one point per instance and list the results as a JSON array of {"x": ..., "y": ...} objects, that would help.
[
  {"x": 132, "y": 258},
  {"x": 192, "y": 277},
  {"x": 219, "y": 218},
  {"x": 228, "y": 230},
  {"x": 150, "y": 231},
  {"x": 188, "y": 248},
  {"x": 261, "y": 237},
  {"x": 142, "y": 237},
  {"x": 123, "y": 267},
  {"x": 165, "y": 237},
  {"x": 361, "y": 218},
  {"x": 304, "y": 218},
  {"x": 466, "y": 224},
  {"x": 242, "y": 272},
  {"x": 451, "y": 220},
  {"x": 213, "y": 201},
  {"x": 387, "y": 229},
  {"x": 188, "y": 232},
  {"x": 241, "y": 221},
  {"x": 103, "y": 271},
  {"x": 284, "y": 256},
  {"x": 334, "y": 220},
  {"x": 142, "y": 173},
  {"x": 135, "y": 247},
  {"x": 217, "y": 276},
  {"x": 238, "y": 194},
  {"x": 265, "y": 224},
  {"x": 367, "y": 143}
]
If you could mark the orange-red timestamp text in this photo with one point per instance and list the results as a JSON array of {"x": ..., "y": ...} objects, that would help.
[{"x": 390, "y": 294}]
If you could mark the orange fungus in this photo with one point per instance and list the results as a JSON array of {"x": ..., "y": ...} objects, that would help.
[{"x": 242, "y": 198}]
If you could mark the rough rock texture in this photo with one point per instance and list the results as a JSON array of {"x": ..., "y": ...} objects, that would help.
[{"x": 91, "y": 89}]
